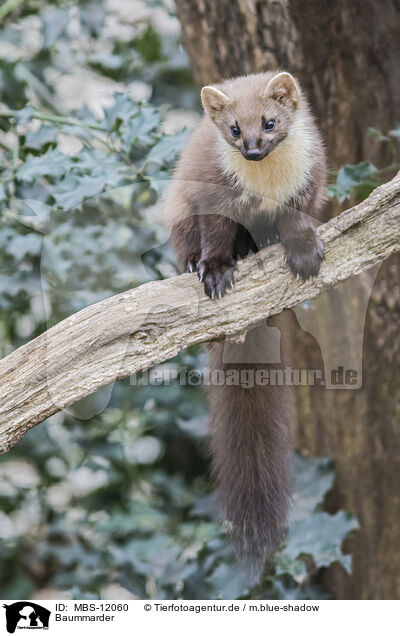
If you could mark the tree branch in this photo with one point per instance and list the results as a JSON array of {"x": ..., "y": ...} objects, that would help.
[{"x": 147, "y": 325}]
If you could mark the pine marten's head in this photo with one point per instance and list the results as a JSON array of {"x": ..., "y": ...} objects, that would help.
[{"x": 253, "y": 113}]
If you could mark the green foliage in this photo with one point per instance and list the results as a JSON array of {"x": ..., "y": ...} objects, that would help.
[
  {"x": 115, "y": 489},
  {"x": 359, "y": 180},
  {"x": 149, "y": 45},
  {"x": 354, "y": 179},
  {"x": 106, "y": 508},
  {"x": 12, "y": 87}
]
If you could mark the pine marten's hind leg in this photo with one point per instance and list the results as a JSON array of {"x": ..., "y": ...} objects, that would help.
[{"x": 187, "y": 243}]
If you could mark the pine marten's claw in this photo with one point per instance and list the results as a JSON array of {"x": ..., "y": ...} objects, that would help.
[
  {"x": 217, "y": 275},
  {"x": 191, "y": 265}
]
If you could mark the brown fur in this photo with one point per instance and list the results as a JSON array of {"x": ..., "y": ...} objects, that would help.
[
  {"x": 220, "y": 206},
  {"x": 251, "y": 450}
]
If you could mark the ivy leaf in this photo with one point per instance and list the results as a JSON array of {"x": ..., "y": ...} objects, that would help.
[
  {"x": 97, "y": 163},
  {"x": 296, "y": 568},
  {"x": 320, "y": 535},
  {"x": 339, "y": 192},
  {"x": 168, "y": 148},
  {"x": 54, "y": 24},
  {"x": 141, "y": 516},
  {"x": 52, "y": 163},
  {"x": 151, "y": 556},
  {"x": 350, "y": 175},
  {"x": 229, "y": 582},
  {"x": 92, "y": 16},
  {"x": 23, "y": 115},
  {"x": 39, "y": 141},
  {"x": 312, "y": 531},
  {"x": 72, "y": 191},
  {"x": 34, "y": 214},
  {"x": 137, "y": 133},
  {"x": 313, "y": 480},
  {"x": 121, "y": 112},
  {"x": 108, "y": 63},
  {"x": 20, "y": 246}
]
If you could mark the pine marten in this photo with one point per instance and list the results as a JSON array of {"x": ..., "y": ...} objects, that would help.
[{"x": 253, "y": 172}]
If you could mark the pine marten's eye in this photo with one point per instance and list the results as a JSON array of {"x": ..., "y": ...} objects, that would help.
[
  {"x": 269, "y": 125},
  {"x": 235, "y": 130}
]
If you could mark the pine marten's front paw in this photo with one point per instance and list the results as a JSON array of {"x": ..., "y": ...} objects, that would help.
[
  {"x": 216, "y": 273},
  {"x": 304, "y": 255}
]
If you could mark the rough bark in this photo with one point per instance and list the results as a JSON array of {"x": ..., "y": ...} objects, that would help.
[
  {"x": 346, "y": 56},
  {"x": 150, "y": 324}
]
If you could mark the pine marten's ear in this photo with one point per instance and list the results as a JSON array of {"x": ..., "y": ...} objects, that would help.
[
  {"x": 213, "y": 100},
  {"x": 284, "y": 88}
]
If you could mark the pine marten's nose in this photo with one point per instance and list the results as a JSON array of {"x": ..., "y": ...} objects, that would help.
[{"x": 254, "y": 154}]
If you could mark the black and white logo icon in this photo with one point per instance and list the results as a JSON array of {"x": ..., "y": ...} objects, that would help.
[{"x": 26, "y": 615}]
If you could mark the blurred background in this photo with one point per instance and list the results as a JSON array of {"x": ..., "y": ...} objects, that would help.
[{"x": 111, "y": 498}]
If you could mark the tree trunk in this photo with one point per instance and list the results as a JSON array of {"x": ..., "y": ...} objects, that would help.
[{"x": 346, "y": 56}]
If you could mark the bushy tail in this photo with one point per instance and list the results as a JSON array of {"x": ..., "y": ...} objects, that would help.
[{"x": 250, "y": 446}]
